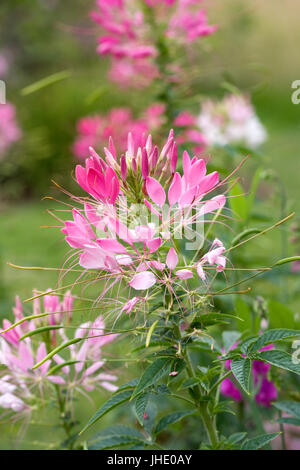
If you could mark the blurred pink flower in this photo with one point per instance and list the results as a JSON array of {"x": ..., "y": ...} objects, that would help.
[
  {"x": 127, "y": 35},
  {"x": 9, "y": 129},
  {"x": 95, "y": 131}
]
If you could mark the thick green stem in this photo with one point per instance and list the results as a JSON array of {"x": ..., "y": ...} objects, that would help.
[
  {"x": 201, "y": 405},
  {"x": 208, "y": 420},
  {"x": 67, "y": 426}
]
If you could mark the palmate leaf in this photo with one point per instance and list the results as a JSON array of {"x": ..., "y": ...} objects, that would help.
[
  {"x": 241, "y": 369},
  {"x": 116, "y": 436},
  {"x": 290, "y": 407},
  {"x": 171, "y": 419},
  {"x": 153, "y": 373},
  {"x": 279, "y": 359},
  {"x": 115, "y": 400},
  {"x": 271, "y": 336},
  {"x": 259, "y": 441}
]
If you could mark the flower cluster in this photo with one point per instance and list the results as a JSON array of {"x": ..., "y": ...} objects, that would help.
[
  {"x": 231, "y": 121},
  {"x": 128, "y": 38},
  {"x": 9, "y": 129},
  {"x": 138, "y": 207},
  {"x": 265, "y": 390},
  {"x": 95, "y": 131},
  {"x": 21, "y": 386}
]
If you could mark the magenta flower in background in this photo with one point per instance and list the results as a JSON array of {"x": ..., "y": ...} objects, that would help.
[
  {"x": 127, "y": 36},
  {"x": 9, "y": 129},
  {"x": 95, "y": 131}
]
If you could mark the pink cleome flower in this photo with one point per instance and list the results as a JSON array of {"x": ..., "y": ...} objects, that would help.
[
  {"x": 148, "y": 177},
  {"x": 9, "y": 129},
  {"x": 128, "y": 38}
]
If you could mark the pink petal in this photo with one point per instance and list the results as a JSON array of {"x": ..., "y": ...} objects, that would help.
[
  {"x": 197, "y": 172},
  {"x": 175, "y": 189},
  {"x": 187, "y": 198},
  {"x": 184, "y": 274},
  {"x": 201, "y": 272},
  {"x": 154, "y": 244},
  {"x": 143, "y": 280},
  {"x": 208, "y": 182},
  {"x": 172, "y": 259},
  {"x": 214, "y": 204},
  {"x": 155, "y": 191},
  {"x": 186, "y": 163},
  {"x": 111, "y": 245}
]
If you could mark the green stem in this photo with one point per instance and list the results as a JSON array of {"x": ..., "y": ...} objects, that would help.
[
  {"x": 65, "y": 424},
  {"x": 208, "y": 420},
  {"x": 202, "y": 406}
]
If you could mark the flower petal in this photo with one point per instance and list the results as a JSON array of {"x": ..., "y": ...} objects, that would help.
[
  {"x": 172, "y": 259},
  {"x": 143, "y": 280},
  {"x": 155, "y": 191}
]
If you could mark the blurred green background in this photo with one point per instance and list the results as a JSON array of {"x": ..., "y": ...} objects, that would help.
[{"x": 255, "y": 49}]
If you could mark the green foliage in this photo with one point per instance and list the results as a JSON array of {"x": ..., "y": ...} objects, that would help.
[
  {"x": 153, "y": 374},
  {"x": 115, "y": 437},
  {"x": 279, "y": 359},
  {"x": 259, "y": 442},
  {"x": 290, "y": 407},
  {"x": 116, "y": 400},
  {"x": 171, "y": 419},
  {"x": 241, "y": 369}
]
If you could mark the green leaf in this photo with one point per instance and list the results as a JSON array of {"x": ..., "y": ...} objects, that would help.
[
  {"x": 152, "y": 344},
  {"x": 229, "y": 338},
  {"x": 131, "y": 384},
  {"x": 271, "y": 336},
  {"x": 259, "y": 441},
  {"x": 290, "y": 407},
  {"x": 241, "y": 369},
  {"x": 280, "y": 315},
  {"x": 238, "y": 202},
  {"x": 190, "y": 383},
  {"x": 114, "y": 401},
  {"x": 279, "y": 359},
  {"x": 236, "y": 437},
  {"x": 150, "y": 332},
  {"x": 293, "y": 421},
  {"x": 116, "y": 436},
  {"x": 153, "y": 373},
  {"x": 140, "y": 406},
  {"x": 171, "y": 419}
]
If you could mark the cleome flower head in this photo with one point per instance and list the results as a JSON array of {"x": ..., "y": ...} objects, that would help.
[{"x": 138, "y": 206}]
